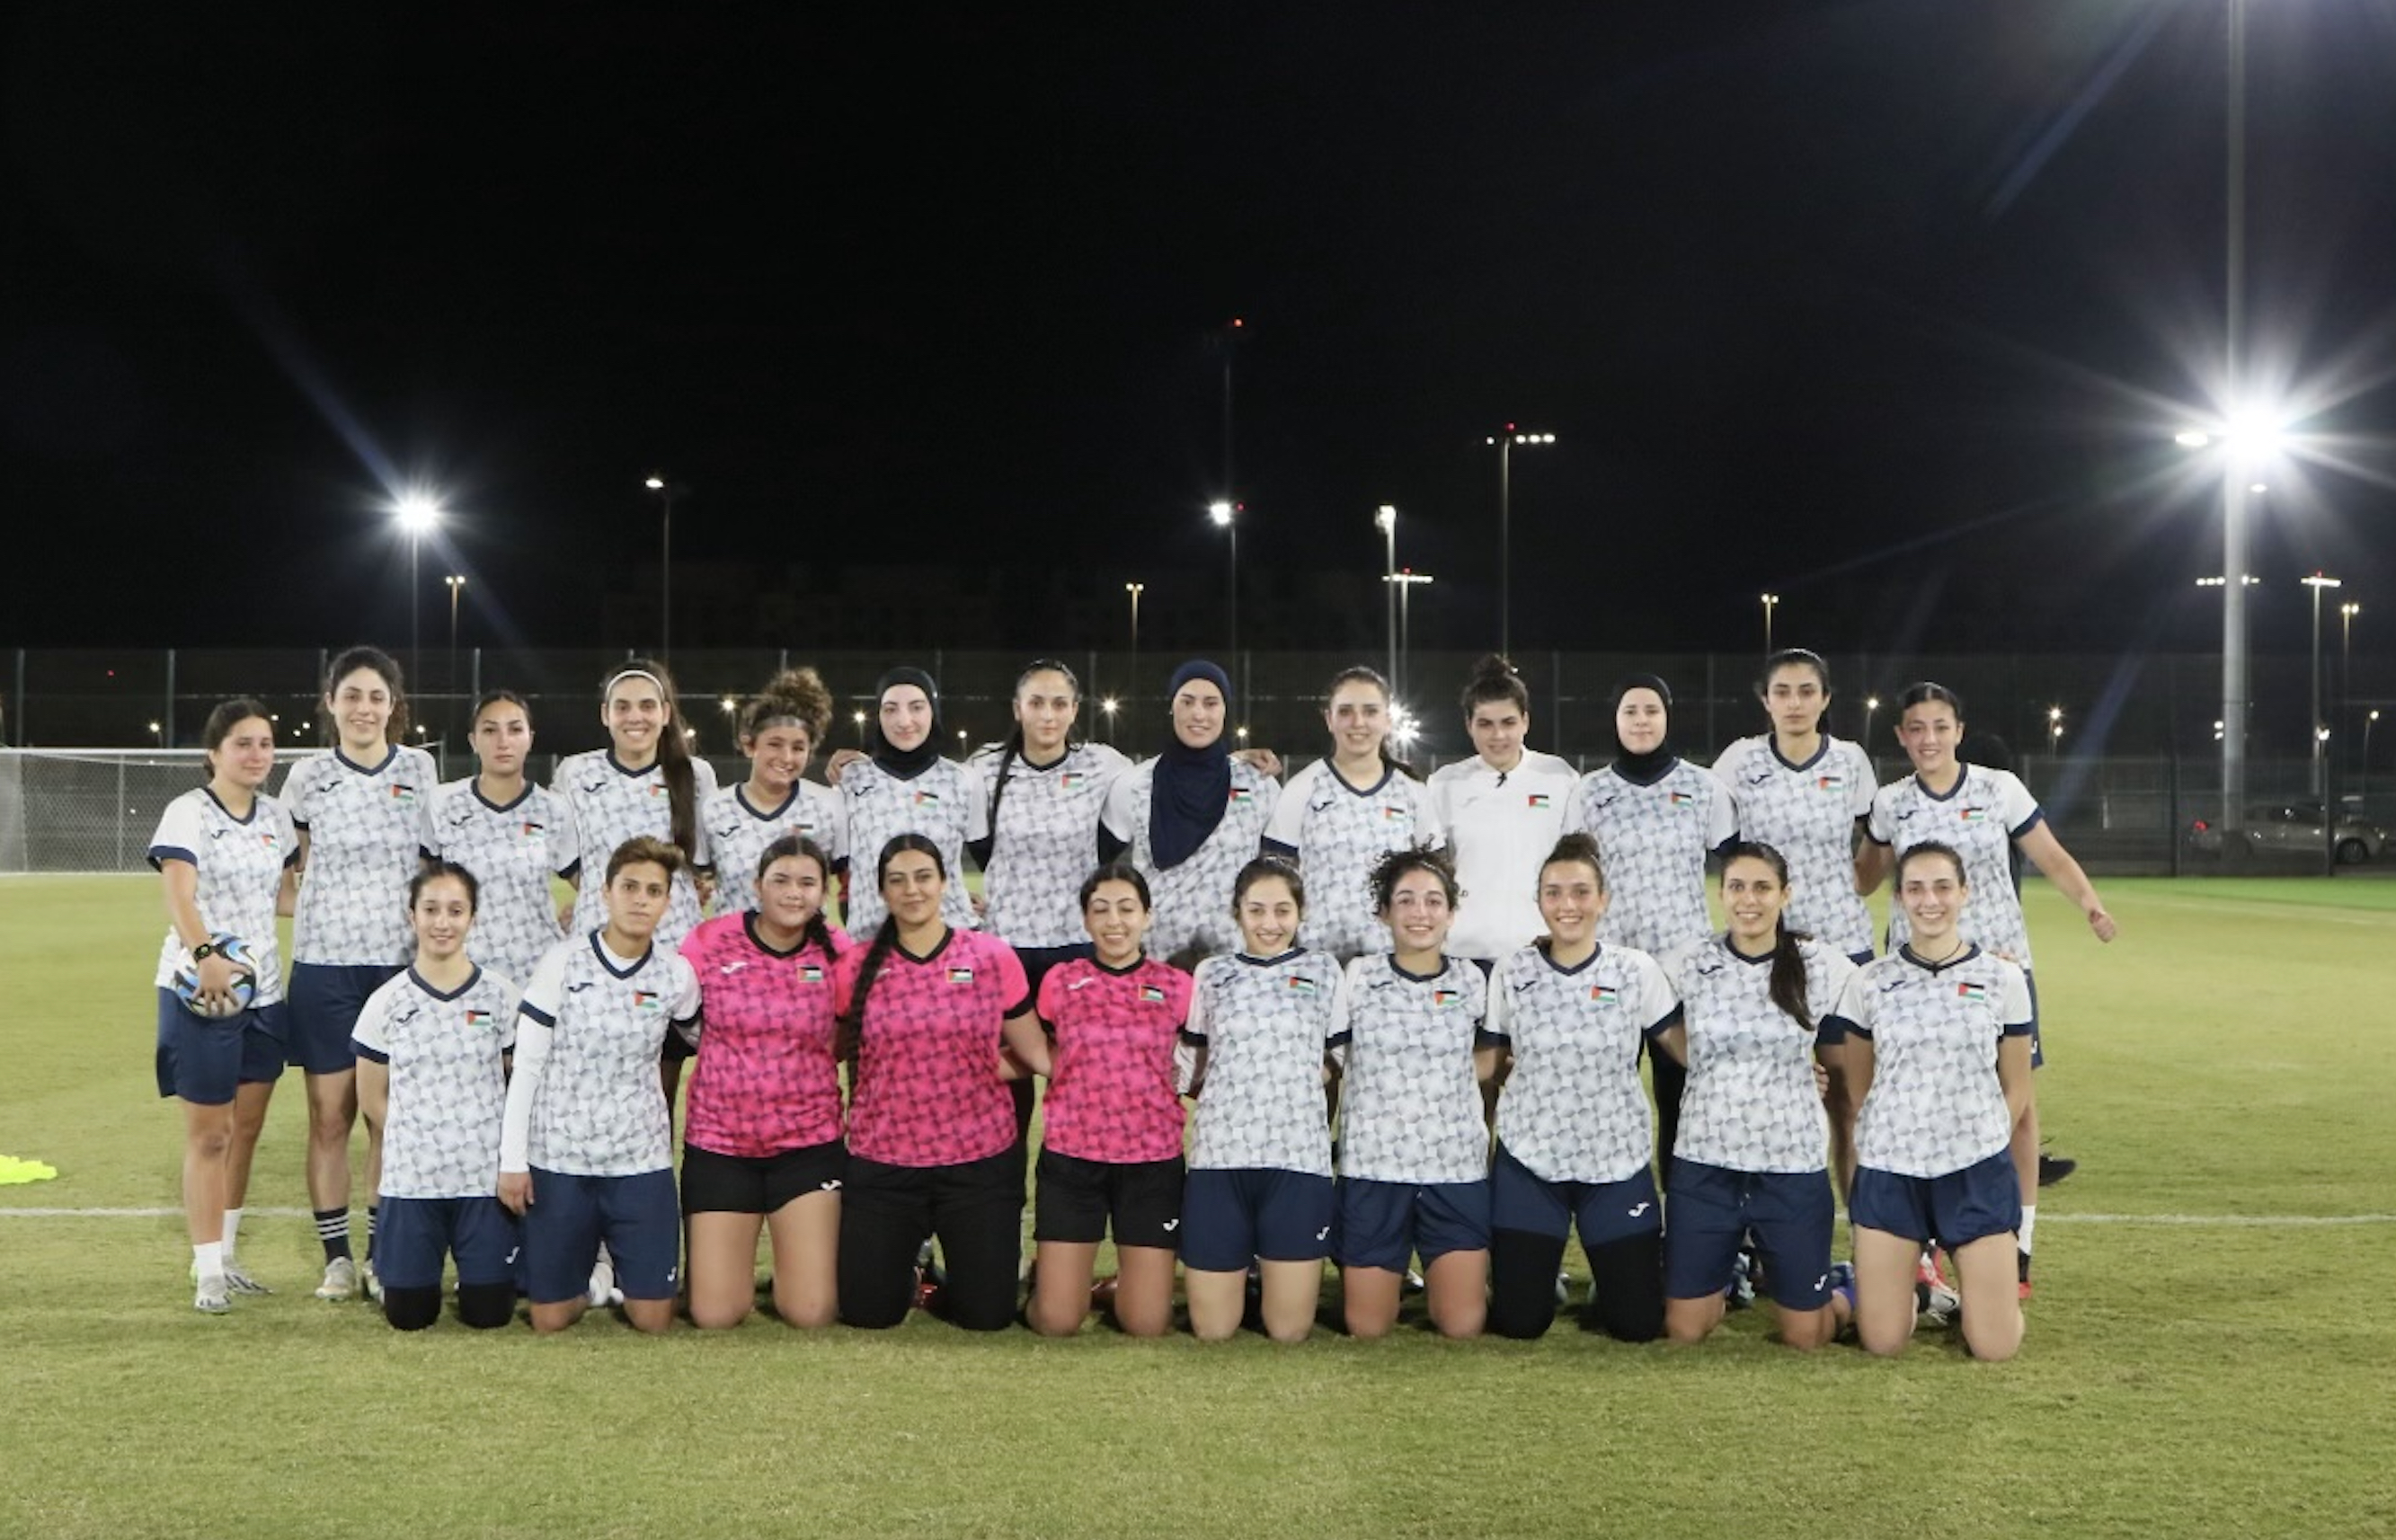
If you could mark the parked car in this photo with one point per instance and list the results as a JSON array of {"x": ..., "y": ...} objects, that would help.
[{"x": 2294, "y": 829}]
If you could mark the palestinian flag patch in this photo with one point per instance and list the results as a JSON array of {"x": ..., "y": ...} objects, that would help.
[
  {"x": 1442, "y": 999},
  {"x": 403, "y": 794},
  {"x": 645, "y": 1000},
  {"x": 1679, "y": 799},
  {"x": 658, "y": 788},
  {"x": 1537, "y": 801},
  {"x": 1604, "y": 994},
  {"x": 1150, "y": 995},
  {"x": 1971, "y": 815},
  {"x": 1829, "y": 783},
  {"x": 478, "y": 1019},
  {"x": 1241, "y": 794},
  {"x": 1971, "y": 992},
  {"x": 811, "y": 973},
  {"x": 1301, "y": 985},
  {"x": 960, "y": 976},
  {"x": 927, "y": 798},
  {"x": 1074, "y": 780},
  {"x": 527, "y": 830}
]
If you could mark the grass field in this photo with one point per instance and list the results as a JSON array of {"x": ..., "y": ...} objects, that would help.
[{"x": 2207, "y": 1354}]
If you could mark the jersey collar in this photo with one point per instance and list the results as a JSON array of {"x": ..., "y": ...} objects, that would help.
[
  {"x": 390, "y": 752},
  {"x": 606, "y": 960},
  {"x": 1739, "y": 956},
  {"x": 1772, "y": 741},
  {"x": 444, "y": 996},
  {"x": 1966, "y": 955},
  {"x": 1548, "y": 957},
  {"x": 476, "y": 782},
  {"x": 1440, "y": 972},
  {"x": 622, "y": 769},
  {"x": 1351, "y": 788},
  {"x": 948, "y": 934},
  {"x": 255, "y": 798},
  {"x": 741, "y": 795}
]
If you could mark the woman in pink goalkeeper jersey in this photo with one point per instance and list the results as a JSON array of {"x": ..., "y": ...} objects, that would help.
[
  {"x": 932, "y": 1146},
  {"x": 762, "y": 1147},
  {"x": 1110, "y": 1147}
]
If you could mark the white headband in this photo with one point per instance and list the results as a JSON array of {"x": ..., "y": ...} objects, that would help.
[{"x": 632, "y": 673}]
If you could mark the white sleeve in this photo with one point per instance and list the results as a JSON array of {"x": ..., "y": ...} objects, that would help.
[
  {"x": 536, "y": 1023},
  {"x": 832, "y": 833},
  {"x": 1722, "y": 818},
  {"x": 1882, "y": 826},
  {"x": 1433, "y": 828},
  {"x": 2019, "y": 808},
  {"x": 1726, "y": 764},
  {"x": 1115, "y": 817},
  {"x": 299, "y": 789},
  {"x": 370, "y": 1031},
  {"x": 1576, "y": 818},
  {"x": 179, "y": 835},
  {"x": 1495, "y": 1022},
  {"x": 514, "y": 997},
  {"x": 977, "y": 789},
  {"x": 2018, "y": 1011},
  {"x": 564, "y": 839},
  {"x": 1341, "y": 1027},
  {"x": 685, "y": 1012},
  {"x": 1861, "y": 786},
  {"x": 1288, "y": 820},
  {"x": 702, "y": 787},
  {"x": 1854, "y": 1003},
  {"x": 431, "y": 780},
  {"x": 1193, "y": 1032},
  {"x": 1658, "y": 999}
]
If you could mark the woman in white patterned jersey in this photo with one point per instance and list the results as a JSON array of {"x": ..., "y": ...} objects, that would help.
[
  {"x": 1939, "y": 1041},
  {"x": 1340, "y": 815},
  {"x": 1266, "y": 1027},
  {"x": 223, "y": 851},
  {"x": 513, "y": 834},
  {"x": 644, "y": 785},
  {"x": 1655, "y": 818},
  {"x": 1759, "y": 1013},
  {"x": 1985, "y": 815},
  {"x": 432, "y": 1052},
  {"x": 1501, "y": 810},
  {"x": 362, "y": 808},
  {"x": 781, "y": 727},
  {"x": 904, "y": 787},
  {"x": 1414, "y": 1152},
  {"x": 1191, "y": 818},
  {"x": 1569, "y": 1017},
  {"x": 1808, "y": 796}
]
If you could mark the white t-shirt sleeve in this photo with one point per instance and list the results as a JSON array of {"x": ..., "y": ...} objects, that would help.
[
  {"x": 1287, "y": 824},
  {"x": 299, "y": 789},
  {"x": 1726, "y": 764},
  {"x": 179, "y": 835},
  {"x": 1115, "y": 816},
  {"x": 1193, "y": 1032},
  {"x": 2020, "y": 809},
  {"x": 977, "y": 789},
  {"x": 1432, "y": 832},
  {"x": 2015, "y": 1000},
  {"x": 536, "y": 1018},
  {"x": 370, "y": 1033},
  {"x": 702, "y": 786},
  {"x": 1658, "y": 1004},
  {"x": 1882, "y": 825},
  {"x": 1855, "y": 1004},
  {"x": 1722, "y": 818},
  {"x": 1861, "y": 789},
  {"x": 1337, "y": 1029}
]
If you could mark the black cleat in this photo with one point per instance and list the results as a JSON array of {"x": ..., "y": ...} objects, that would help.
[{"x": 2054, "y": 1168}]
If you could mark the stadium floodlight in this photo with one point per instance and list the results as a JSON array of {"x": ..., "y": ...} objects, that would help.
[
  {"x": 1504, "y": 443},
  {"x": 1221, "y": 512},
  {"x": 419, "y": 514},
  {"x": 2192, "y": 438}
]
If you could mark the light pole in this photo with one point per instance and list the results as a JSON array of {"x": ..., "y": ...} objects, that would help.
[
  {"x": 419, "y": 516},
  {"x": 1223, "y": 514},
  {"x": 2054, "y": 731},
  {"x": 2318, "y": 582},
  {"x": 457, "y": 586},
  {"x": 667, "y": 491},
  {"x": 1871, "y": 707},
  {"x": 1404, "y": 584},
  {"x": 2363, "y": 781},
  {"x": 2346, "y": 614},
  {"x": 1771, "y": 603},
  {"x": 1386, "y": 520},
  {"x": 1505, "y": 443}
]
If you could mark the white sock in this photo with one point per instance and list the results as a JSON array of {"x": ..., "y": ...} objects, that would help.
[
  {"x": 208, "y": 1257},
  {"x": 2030, "y": 1221},
  {"x": 232, "y": 1231}
]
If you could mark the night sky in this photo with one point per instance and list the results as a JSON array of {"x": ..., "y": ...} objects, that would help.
[{"x": 1883, "y": 306}]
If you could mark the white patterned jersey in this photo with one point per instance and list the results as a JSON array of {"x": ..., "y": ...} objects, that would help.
[
  {"x": 365, "y": 827},
  {"x": 1935, "y": 1105},
  {"x": 1267, "y": 1025},
  {"x": 1808, "y": 813},
  {"x": 1336, "y": 834},
  {"x": 946, "y": 804},
  {"x": 1752, "y": 1104},
  {"x": 1653, "y": 842},
  {"x": 1193, "y": 900},
  {"x": 612, "y": 804},
  {"x": 1501, "y": 826},
  {"x": 1409, "y": 1102},
  {"x": 1572, "y": 1107},
  {"x": 1982, "y": 816},
  {"x": 512, "y": 851},
  {"x": 738, "y": 831},
  {"x": 240, "y": 863},
  {"x": 1044, "y": 842},
  {"x": 585, "y": 1100},
  {"x": 449, "y": 1082}
]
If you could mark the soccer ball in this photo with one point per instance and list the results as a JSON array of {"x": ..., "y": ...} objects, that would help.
[{"x": 233, "y": 950}]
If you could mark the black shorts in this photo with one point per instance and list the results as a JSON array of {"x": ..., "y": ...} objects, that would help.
[
  {"x": 1077, "y": 1199},
  {"x": 759, "y": 1184}
]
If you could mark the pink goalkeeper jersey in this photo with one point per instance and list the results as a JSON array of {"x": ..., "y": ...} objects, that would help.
[
  {"x": 767, "y": 1080},
  {"x": 928, "y": 1090},
  {"x": 1112, "y": 1095}
]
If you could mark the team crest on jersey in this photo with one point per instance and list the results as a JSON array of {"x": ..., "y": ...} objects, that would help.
[
  {"x": 1829, "y": 783},
  {"x": 1150, "y": 995},
  {"x": 478, "y": 1019},
  {"x": 811, "y": 973},
  {"x": 1392, "y": 815},
  {"x": 1537, "y": 801},
  {"x": 960, "y": 976},
  {"x": 645, "y": 1000},
  {"x": 1301, "y": 985},
  {"x": 1442, "y": 999},
  {"x": 1241, "y": 795},
  {"x": 926, "y": 799},
  {"x": 1679, "y": 798},
  {"x": 403, "y": 794},
  {"x": 1604, "y": 994},
  {"x": 1074, "y": 780},
  {"x": 1971, "y": 992}
]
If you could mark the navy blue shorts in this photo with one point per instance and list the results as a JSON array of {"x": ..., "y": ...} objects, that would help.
[
  {"x": 1791, "y": 1214},
  {"x": 205, "y": 1062},
  {"x": 1983, "y": 1199},
  {"x": 325, "y": 999},
  {"x": 1229, "y": 1218},
  {"x": 412, "y": 1234},
  {"x": 1383, "y": 1224},
  {"x": 636, "y": 1215},
  {"x": 1520, "y": 1199}
]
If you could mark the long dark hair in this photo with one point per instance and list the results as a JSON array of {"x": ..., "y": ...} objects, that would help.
[
  {"x": 228, "y": 715},
  {"x": 852, "y": 1023},
  {"x": 1359, "y": 674},
  {"x": 348, "y": 661},
  {"x": 674, "y": 751},
  {"x": 1787, "y": 958},
  {"x": 1013, "y": 749},
  {"x": 819, "y": 930},
  {"x": 1393, "y": 866}
]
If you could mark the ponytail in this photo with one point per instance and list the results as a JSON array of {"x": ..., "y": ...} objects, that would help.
[
  {"x": 1012, "y": 749},
  {"x": 674, "y": 751},
  {"x": 1788, "y": 974},
  {"x": 850, "y": 1029}
]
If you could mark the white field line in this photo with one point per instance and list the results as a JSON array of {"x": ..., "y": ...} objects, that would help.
[{"x": 2222, "y": 1221}]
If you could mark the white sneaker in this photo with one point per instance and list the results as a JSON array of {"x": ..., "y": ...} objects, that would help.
[
  {"x": 211, "y": 1299},
  {"x": 603, "y": 1292},
  {"x": 373, "y": 1283},
  {"x": 237, "y": 1279},
  {"x": 340, "y": 1279},
  {"x": 1564, "y": 1288}
]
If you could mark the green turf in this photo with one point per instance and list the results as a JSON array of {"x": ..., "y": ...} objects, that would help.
[{"x": 2231, "y": 1055}]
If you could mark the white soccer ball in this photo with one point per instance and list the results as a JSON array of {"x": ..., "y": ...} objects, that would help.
[{"x": 242, "y": 994}]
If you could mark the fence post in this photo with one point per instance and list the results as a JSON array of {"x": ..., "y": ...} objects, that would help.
[
  {"x": 166, "y": 737},
  {"x": 117, "y": 815},
  {"x": 21, "y": 739}
]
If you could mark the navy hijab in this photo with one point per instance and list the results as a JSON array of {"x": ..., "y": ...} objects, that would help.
[{"x": 1193, "y": 786}]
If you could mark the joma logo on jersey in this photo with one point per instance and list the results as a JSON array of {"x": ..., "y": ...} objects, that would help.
[
  {"x": 1537, "y": 801},
  {"x": 1150, "y": 995},
  {"x": 645, "y": 1000},
  {"x": 1971, "y": 992},
  {"x": 926, "y": 799},
  {"x": 960, "y": 976}
]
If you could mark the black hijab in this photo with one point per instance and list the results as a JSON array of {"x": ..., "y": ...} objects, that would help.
[
  {"x": 906, "y": 764},
  {"x": 1656, "y": 763},
  {"x": 1193, "y": 786}
]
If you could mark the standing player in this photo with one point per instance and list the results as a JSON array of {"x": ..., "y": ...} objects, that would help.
[
  {"x": 1759, "y": 1010},
  {"x": 1110, "y": 1141},
  {"x": 1939, "y": 1036},
  {"x": 587, "y": 1152},
  {"x": 780, "y": 729},
  {"x": 1340, "y": 815},
  {"x": 906, "y": 787},
  {"x": 433, "y": 1051},
  {"x": 1414, "y": 1153},
  {"x": 1568, "y": 1018},
  {"x": 222, "y": 850},
  {"x": 1502, "y": 811},
  {"x": 1984, "y": 814},
  {"x": 360, "y": 808},
  {"x": 1655, "y": 817},
  {"x": 1266, "y": 1027},
  {"x": 1191, "y": 818},
  {"x": 932, "y": 1146},
  {"x": 762, "y": 1149},
  {"x": 512, "y": 834},
  {"x": 1808, "y": 795}
]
